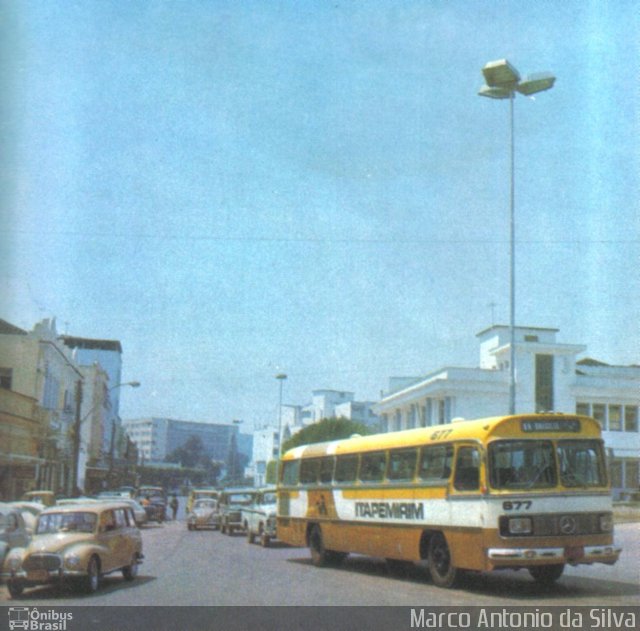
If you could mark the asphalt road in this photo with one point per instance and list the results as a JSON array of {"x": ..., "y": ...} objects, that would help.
[{"x": 208, "y": 568}]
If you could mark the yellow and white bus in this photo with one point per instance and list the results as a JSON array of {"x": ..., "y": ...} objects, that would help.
[{"x": 526, "y": 491}]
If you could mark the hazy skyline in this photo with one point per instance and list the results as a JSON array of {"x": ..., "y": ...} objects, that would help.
[{"x": 234, "y": 190}]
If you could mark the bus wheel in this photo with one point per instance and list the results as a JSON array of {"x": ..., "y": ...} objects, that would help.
[
  {"x": 546, "y": 574},
  {"x": 320, "y": 556},
  {"x": 443, "y": 573}
]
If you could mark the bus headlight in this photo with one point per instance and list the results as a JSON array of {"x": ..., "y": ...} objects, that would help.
[
  {"x": 606, "y": 522},
  {"x": 520, "y": 526}
]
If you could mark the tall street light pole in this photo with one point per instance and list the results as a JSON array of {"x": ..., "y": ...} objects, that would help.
[
  {"x": 280, "y": 377},
  {"x": 503, "y": 81}
]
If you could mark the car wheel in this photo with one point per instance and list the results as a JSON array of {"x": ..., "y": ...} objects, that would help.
[
  {"x": 265, "y": 540},
  {"x": 15, "y": 588},
  {"x": 91, "y": 581},
  {"x": 223, "y": 529},
  {"x": 131, "y": 571},
  {"x": 250, "y": 536},
  {"x": 443, "y": 573},
  {"x": 229, "y": 530},
  {"x": 189, "y": 526}
]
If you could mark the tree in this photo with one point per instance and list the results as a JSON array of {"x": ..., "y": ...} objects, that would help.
[
  {"x": 191, "y": 454},
  {"x": 325, "y": 430}
]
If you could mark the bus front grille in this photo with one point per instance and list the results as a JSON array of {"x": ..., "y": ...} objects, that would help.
[{"x": 557, "y": 525}]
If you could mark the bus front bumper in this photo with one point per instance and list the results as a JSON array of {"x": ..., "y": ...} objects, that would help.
[{"x": 574, "y": 555}]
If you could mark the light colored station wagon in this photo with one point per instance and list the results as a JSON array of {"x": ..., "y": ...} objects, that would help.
[{"x": 78, "y": 543}]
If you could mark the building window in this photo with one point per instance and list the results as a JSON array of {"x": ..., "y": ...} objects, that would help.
[
  {"x": 544, "y": 383},
  {"x": 530, "y": 338},
  {"x": 6, "y": 378},
  {"x": 598, "y": 413},
  {"x": 615, "y": 418},
  {"x": 583, "y": 409},
  {"x": 616, "y": 474},
  {"x": 442, "y": 413},
  {"x": 630, "y": 418},
  {"x": 631, "y": 468}
]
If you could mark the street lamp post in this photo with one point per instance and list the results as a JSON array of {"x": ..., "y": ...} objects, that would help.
[
  {"x": 280, "y": 377},
  {"x": 503, "y": 81},
  {"x": 78, "y": 424}
]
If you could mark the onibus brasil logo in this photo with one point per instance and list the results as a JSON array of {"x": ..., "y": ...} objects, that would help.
[{"x": 34, "y": 619}]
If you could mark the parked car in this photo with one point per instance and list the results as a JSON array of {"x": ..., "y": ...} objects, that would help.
[
  {"x": 154, "y": 501},
  {"x": 230, "y": 505},
  {"x": 78, "y": 543},
  {"x": 139, "y": 512},
  {"x": 72, "y": 501},
  {"x": 204, "y": 514},
  {"x": 196, "y": 494},
  {"x": 151, "y": 491},
  {"x": 30, "y": 512},
  {"x": 259, "y": 518},
  {"x": 155, "y": 508},
  {"x": 46, "y": 498},
  {"x": 14, "y": 531}
]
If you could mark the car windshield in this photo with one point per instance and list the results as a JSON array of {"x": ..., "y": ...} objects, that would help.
[
  {"x": 269, "y": 498},
  {"x": 205, "y": 504},
  {"x": 240, "y": 498},
  {"x": 66, "y": 522}
]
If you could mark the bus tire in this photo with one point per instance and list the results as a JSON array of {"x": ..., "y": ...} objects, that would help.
[
  {"x": 546, "y": 574},
  {"x": 316, "y": 546},
  {"x": 443, "y": 573},
  {"x": 320, "y": 556}
]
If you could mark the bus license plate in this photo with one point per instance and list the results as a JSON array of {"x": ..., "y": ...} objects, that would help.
[{"x": 574, "y": 553}]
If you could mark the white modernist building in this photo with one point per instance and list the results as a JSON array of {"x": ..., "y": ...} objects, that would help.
[
  {"x": 325, "y": 403},
  {"x": 549, "y": 376}
]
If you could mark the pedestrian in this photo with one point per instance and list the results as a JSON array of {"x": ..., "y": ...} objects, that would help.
[{"x": 174, "y": 505}]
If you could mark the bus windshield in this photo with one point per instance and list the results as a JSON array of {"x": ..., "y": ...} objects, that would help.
[
  {"x": 522, "y": 464},
  {"x": 581, "y": 463},
  {"x": 526, "y": 464}
]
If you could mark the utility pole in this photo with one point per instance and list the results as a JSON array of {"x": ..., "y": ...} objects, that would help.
[{"x": 76, "y": 440}]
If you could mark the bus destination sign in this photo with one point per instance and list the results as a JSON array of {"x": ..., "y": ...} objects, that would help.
[{"x": 551, "y": 425}]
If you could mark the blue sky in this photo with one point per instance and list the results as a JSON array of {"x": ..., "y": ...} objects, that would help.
[{"x": 235, "y": 189}]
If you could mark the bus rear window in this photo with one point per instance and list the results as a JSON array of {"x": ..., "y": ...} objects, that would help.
[{"x": 290, "y": 471}]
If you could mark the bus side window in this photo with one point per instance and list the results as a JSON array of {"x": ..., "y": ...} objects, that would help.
[
  {"x": 402, "y": 464},
  {"x": 309, "y": 471},
  {"x": 326, "y": 470},
  {"x": 435, "y": 464},
  {"x": 467, "y": 474},
  {"x": 346, "y": 468},
  {"x": 372, "y": 467}
]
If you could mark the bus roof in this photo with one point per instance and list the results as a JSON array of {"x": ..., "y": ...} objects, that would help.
[{"x": 484, "y": 430}]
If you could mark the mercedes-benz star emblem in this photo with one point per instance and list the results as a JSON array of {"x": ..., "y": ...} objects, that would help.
[{"x": 567, "y": 525}]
